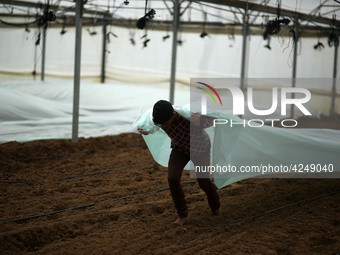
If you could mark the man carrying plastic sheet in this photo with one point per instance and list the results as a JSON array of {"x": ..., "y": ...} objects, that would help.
[
  {"x": 241, "y": 146},
  {"x": 185, "y": 144}
]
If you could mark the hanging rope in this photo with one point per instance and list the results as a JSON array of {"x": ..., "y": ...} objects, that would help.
[
  {"x": 146, "y": 7},
  {"x": 204, "y": 33},
  {"x": 278, "y": 9}
]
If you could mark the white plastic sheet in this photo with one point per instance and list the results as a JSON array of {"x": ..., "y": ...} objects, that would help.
[
  {"x": 43, "y": 110},
  {"x": 239, "y": 146}
]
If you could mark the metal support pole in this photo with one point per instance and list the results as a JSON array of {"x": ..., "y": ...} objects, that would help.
[
  {"x": 245, "y": 31},
  {"x": 335, "y": 70},
  {"x": 175, "y": 26},
  {"x": 35, "y": 61},
  {"x": 76, "y": 87},
  {"x": 102, "y": 76},
  {"x": 44, "y": 28},
  {"x": 296, "y": 39}
]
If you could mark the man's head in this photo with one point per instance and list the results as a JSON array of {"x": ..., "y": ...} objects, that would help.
[{"x": 162, "y": 112}]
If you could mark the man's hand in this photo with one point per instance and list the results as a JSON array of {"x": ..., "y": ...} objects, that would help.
[
  {"x": 196, "y": 119},
  {"x": 142, "y": 131}
]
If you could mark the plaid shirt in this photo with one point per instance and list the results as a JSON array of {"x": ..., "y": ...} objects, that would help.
[{"x": 195, "y": 142}]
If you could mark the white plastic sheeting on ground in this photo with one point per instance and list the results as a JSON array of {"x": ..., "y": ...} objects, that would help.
[{"x": 43, "y": 110}]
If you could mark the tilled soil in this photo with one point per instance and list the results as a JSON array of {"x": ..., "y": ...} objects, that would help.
[{"x": 106, "y": 195}]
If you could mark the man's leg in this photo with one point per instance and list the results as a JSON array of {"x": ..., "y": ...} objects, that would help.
[
  {"x": 177, "y": 162},
  {"x": 205, "y": 183}
]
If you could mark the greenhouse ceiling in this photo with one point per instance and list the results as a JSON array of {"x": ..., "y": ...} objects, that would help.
[{"x": 315, "y": 17}]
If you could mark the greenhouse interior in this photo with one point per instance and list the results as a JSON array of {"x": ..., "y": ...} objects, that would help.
[
  {"x": 103, "y": 103},
  {"x": 128, "y": 54}
]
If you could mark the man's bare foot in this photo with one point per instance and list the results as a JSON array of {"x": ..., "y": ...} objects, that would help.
[
  {"x": 181, "y": 221},
  {"x": 216, "y": 212}
]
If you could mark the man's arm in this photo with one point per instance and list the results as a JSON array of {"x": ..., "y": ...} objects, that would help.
[{"x": 202, "y": 121}]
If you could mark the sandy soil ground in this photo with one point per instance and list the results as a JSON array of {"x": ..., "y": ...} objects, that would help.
[{"x": 106, "y": 196}]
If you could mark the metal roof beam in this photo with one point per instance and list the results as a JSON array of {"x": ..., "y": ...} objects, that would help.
[
  {"x": 190, "y": 27},
  {"x": 51, "y": 6},
  {"x": 273, "y": 10}
]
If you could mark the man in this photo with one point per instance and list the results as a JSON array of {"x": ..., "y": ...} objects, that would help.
[{"x": 178, "y": 129}]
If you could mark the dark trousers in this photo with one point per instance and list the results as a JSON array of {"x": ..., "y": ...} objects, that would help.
[{"x": 177, "y": 162}]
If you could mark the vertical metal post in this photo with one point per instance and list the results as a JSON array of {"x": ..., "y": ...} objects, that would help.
[
  {"x": 245, "y": 31},
  {"x": 102, "y": 76},
  {"x": 76, "y": 87},
  {"x": 44, "y": 28},
  {"x": 175, "y": 26},
  {"x": 335, "y": 70},
  {"x": 35, "y": 61},
  {"x": 296, "y": 39}
]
